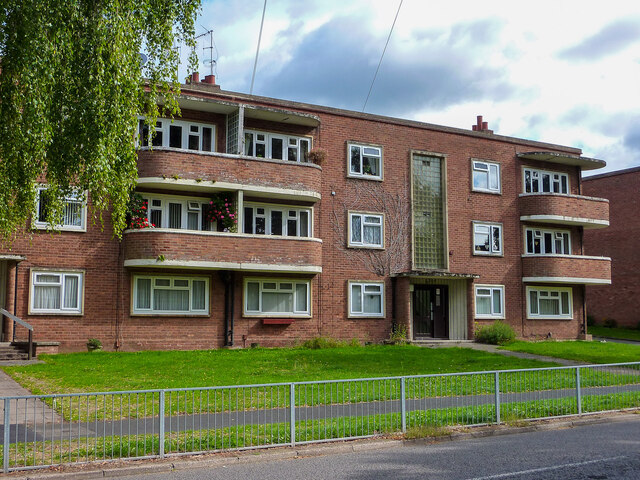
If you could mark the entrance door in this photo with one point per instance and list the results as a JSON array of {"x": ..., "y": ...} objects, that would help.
[{"x": 430, "y": 306}]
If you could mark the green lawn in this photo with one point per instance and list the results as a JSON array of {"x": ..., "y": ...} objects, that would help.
[
  {"x": 591, "y": 352},
  {"x": 94, "y": 372},
  {"x": 623, "y": 333}
]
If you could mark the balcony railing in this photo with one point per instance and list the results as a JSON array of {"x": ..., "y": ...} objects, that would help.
[
  {"x": 168, "y": 248},
  {"x": 574, "y": 269},
  {"x": 201, "y": 171},
  {"x": 554, "y": 208}
]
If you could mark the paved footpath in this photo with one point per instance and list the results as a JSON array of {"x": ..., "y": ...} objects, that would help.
[{"x": 10, "y": 388}]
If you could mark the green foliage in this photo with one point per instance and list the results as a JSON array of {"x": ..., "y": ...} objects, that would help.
[
  {"x": 498, "y": 333},
  {"x": 71, "y": 89},
  {"x": 223, "y": 210},
  {"x": 591, "y": 352},
  {"x": 94, "y": 344},
  {"x": 624, "y": 333},
  {"x": 398, "y": 335}
]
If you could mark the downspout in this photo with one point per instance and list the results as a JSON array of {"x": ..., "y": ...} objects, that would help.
[
  {"x": 584, "y": 309},
  {"x": 394, "y": 323},
  {"x": 224, "y": 276},
  {"x": 232, "y": 296},
  {"x": 15, "y": 301}
]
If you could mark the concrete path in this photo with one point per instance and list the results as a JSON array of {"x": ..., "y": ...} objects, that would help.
[
  {"x": 23, "y": 413},
  {"x": 507, "y": 353}
]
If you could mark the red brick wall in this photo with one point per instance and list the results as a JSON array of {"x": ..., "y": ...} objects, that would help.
[
  {"x": 559, "y": 205},
  {"x": 619, "y": 241}
]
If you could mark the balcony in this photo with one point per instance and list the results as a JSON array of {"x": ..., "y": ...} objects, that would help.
[
  {"x": 183, "y": 170},
  {"x": 185, "y": 249},
  {"x": 574, "y": 269},
  {"x": 558, "y": 209}
]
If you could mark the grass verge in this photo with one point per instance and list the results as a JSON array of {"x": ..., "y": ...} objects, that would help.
[
  {"x": 621, "y": 333},
  {"x": 590, "y": 352}
]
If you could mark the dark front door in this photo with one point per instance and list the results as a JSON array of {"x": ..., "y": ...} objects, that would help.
[{"x": 430, "y": 306}]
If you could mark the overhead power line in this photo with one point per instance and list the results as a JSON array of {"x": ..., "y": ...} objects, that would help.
[
  {"x": 381, "y": 57},
  {"x": 255, "y": 64}
]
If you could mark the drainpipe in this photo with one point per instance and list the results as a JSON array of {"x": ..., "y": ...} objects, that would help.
[
  {"x": 232, "y": 302},
  {"x": 394, "y": 323},
  {"x": 15, "y": 302}
]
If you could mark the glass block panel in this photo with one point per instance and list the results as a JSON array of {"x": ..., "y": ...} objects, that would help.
[
  {"x": 428, "y": 213},
  {"x": 233, "y": 125}
]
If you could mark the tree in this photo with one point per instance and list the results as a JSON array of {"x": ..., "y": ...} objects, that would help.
[{"x": 71, "y": 90}]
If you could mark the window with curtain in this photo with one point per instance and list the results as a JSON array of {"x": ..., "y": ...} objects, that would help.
[
  {"x": 73, "y": 213},
  {"x": 549, "y": 302},
  {"x": 170, "y": 295},
  {"x": 277, "y": 297},
  {"x": 366, "y": 299},
  {"x": 366, "y": 230},
  {"x": 489, "y": 301},
  {"x": 56, "y": 292}
]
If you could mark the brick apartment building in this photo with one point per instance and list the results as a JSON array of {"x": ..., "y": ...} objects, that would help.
[
  {"x": 404, "y": 223},
  {"x": 621, "y": 300}
]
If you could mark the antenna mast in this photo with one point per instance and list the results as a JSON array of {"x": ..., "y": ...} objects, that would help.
[{"x": 210, "y": 60}]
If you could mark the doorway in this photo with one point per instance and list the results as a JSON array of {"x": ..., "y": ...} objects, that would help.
[{"x": 430, "y": 307}]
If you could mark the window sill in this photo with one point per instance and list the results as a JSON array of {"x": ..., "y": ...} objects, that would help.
[
  {"x": 491, "y": 192},
  {"x": 551, "y": 318},
  {"x": 365, "y": 177},
  {"x": 367, "y": 247},
  {"x": 278, "y": 321},
  {"x": 371, "y": 317},
  {"x": 477, "y": 254},
  {"x": 482, "y": 317}
]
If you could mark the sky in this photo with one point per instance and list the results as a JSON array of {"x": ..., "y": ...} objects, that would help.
[{"x": 563, "y": 72}]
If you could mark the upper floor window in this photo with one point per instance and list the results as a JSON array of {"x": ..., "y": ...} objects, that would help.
[
  {"x": 548, "y": 242},
  {"x": 276, "y": 146},
  {"x": 277, "y": 220},
  {"x": 487, "y": 239},
  {"x": 365, "y": 161},
  {"x": 366, "y": 230},
  {"x": 549, "y": 302},
  {"x": 56, "y": 292},
  {"x": 73, "y": 215},
  {"x": 486, "y": 176},
  {"x": 170, "y": 295},
  {"x": 541, "y": 181},
  {"x": 178, "y": 212},
  {"x": 277, "y": 297},
  {"x": 178, "y": 134}
]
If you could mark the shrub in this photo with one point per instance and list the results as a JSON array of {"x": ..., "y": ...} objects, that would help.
[
  {"x": 398, "y": 335},
  {"x": 498, "y": 333},
  {"x": 609, "y": 323},
  {"x": 94, "y": 344},
  {"x": 318, "y": 343}
]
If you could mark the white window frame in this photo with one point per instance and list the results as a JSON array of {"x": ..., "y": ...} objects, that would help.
[
  {"x": 491, "y": 227},
  {"x": 548, "y": 294},
  {"x": 163, "y": 125},
  {"x": 75, "y": 198},
  {"x": 286, "y": 215},
  {"x": 263, "y": 288},
  {"x": 288, "y": 141},
  {"x": 539, "y": 233},
  {"x": 491, "y": 170},
  {"x": 364, "y": 222},
  {"x": 188, "y": 205},
  {"x": 493, "y": 290},
  {"x": 371, "y": 154},
  {"x": 363, "y": 285},
  {"x": 63, "y": 274},
  {"x": 555, "y": 178},
  {"x": 135, "y": 310}
]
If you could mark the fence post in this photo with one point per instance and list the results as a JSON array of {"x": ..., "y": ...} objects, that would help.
[
  {"x": 7, "y": 435},
  {"x": 497, "y": 395},
  {"x": 578, "y": 391},
  {"x": 403, "y": 404},
  {"x": 161, "y": 427},
  {"x": 292, "y": 409}
]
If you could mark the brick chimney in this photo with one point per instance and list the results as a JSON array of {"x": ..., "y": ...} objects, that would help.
[
  {"x": 210, "y": 79},
  {"x": 481, "y": 126}
]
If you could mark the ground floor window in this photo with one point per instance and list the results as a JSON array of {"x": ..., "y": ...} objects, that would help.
[
  {"x": 366, "y": 299},
  {"x": 549, "y": 302},
  {"x": 489, "y": 301},
  {"x": 56, "y": 292},
  {"x": 164, "y": 295},
  {"x": 277, "y": 297}
]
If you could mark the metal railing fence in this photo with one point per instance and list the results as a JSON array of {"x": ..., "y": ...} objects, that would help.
[{"x": 44, "y": 430}]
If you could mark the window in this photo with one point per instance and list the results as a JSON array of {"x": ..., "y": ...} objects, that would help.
[
  {"x": 365, "y": 161},
  {"x": 276, "y": 146},
  {"x": 170, "y": 295},
  {"x": 487, "y": 239},
  {"x": 277, "y": 297},
  {"x": 277, "y": 220},
  {"x": 178, "y": 212},
  {"x": 489, "y": 301},
  {"x": 549, "y": 302},
  {"x": 486, "y": 176},
  {"x": 548, "y": 242},
  {"x": 366, "y": 230},
  {"x": 366, "y": 299},
  {"x": 178, "y": 134},
  {"x": 56, "y": 292},
  {"x": 73, "y": 213},
  {"x": 540, "y": 181}
]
